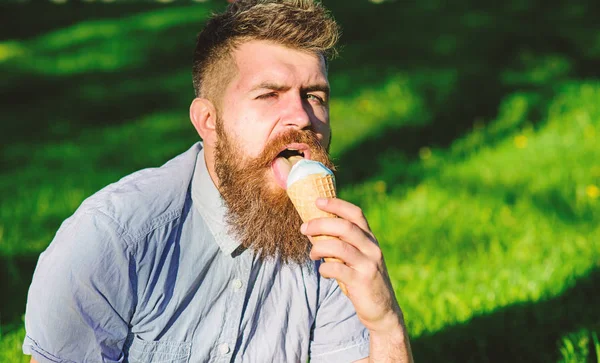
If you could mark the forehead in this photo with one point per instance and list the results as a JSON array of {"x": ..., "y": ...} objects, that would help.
[{"x": 262, "y": 61}]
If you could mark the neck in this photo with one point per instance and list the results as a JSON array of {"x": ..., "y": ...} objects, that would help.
[{"x": 209, "y": 159}]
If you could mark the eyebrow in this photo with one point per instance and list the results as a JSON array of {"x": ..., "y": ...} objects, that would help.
[
  {"x": 318, "y": 87},
  {"x": 279, "y": 87}
]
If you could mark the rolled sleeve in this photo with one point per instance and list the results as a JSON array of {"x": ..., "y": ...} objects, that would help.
[
  {"x": 338, "y": 335},
  {"x": 82, "y": 294}
]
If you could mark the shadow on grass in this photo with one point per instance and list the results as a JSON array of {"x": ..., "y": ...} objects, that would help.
[
  {"x": 528, "y": 332},
  {"x": 15, "y": 277},
  {"x": 450, "y": 121},
  {"x": 481, "y": 42},
  {"x": 494, "y": 51},
  {"x": 14, "y": 17},
  {"x": 59, "y": 110},
  {"x": 40, "y": 108}
]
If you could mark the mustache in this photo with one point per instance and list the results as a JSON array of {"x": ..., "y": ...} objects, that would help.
[{"x": 275, "y": 146}]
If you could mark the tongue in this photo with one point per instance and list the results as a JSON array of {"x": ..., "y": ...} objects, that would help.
[{"x": 281, "y": 169}]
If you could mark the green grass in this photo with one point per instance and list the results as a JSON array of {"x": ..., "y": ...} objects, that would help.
[
  {"x": 10, "y": 347},
  {"x": 580, "y": 346},
  {"x": 469, "y": 137}
]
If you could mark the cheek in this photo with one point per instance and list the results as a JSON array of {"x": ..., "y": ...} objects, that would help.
[
  {"x": 323, "y": 128},
  {"x": 251, "y": 136},
  {"x": 325, "y": 137}
]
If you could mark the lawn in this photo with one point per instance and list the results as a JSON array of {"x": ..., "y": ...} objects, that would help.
[{"x": 468, "y": 134}]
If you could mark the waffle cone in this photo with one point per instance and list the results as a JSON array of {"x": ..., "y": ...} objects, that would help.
[{"x": 303, "y": 195}]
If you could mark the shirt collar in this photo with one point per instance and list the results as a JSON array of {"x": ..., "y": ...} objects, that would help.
[{"x": 208, "y": 202}]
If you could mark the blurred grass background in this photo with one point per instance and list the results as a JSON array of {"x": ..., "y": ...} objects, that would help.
[{"x": 469, "y": 133}]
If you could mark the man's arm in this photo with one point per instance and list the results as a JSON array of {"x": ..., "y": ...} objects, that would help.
[
  {"x": 81, "y": 296},
  {"x": 33, "y": 361},
  {"x": 365, "y": 275}
]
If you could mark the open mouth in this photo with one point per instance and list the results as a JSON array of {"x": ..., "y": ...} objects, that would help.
[{"x": 284, "y": 161}]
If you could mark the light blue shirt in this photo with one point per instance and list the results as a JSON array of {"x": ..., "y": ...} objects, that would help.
[{"x": 145, "y": 271}]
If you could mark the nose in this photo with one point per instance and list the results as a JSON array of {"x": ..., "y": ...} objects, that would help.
[{"x": 297, "y": 113}]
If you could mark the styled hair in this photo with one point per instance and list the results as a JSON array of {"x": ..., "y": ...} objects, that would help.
[{"x": 298, "y": 24}]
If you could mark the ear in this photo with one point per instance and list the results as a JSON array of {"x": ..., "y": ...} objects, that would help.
[{"x": 203, "y": 115}]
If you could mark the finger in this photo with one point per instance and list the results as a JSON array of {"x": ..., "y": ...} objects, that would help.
[
  {"x": 341, "y": 250},
  {"x": 344, "y": 210},
  {"x": 339, "y": 271},
  {"x": 342, "y": 229}
]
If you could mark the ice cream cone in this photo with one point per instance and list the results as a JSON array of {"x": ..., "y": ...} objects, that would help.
[{"x": 303, "y": 194}]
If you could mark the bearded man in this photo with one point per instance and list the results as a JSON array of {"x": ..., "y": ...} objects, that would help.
[{"x": 205, "y": 259}]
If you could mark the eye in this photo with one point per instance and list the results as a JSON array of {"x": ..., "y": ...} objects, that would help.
[
  {"x": 266, "y": 96},
  {"x": 315, "y": 97}
]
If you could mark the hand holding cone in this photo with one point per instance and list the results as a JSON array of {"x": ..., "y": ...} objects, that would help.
[{"x": 304, "y": 190}]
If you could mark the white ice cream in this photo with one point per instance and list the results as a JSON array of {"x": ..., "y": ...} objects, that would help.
[{"x": 304, "y": 168}]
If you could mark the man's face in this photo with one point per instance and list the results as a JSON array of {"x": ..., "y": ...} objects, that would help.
[
  {"x": 277, "y": 102},
  {"x": 276, "y": 89}
]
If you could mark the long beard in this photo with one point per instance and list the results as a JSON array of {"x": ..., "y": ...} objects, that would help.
[{"x": 259, "y": 214}]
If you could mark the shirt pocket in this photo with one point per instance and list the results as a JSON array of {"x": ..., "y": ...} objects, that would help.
[{"x": 141, "y": 351}]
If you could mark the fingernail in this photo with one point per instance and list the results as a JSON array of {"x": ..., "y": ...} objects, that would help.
[
  {"x": 303, "y": 228},
  {"x": 321, "y": 201}
]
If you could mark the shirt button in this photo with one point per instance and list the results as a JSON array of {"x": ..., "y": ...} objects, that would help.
[
  {"x": 224, "y": 348},
  {"x": 237, "y": 284}
]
